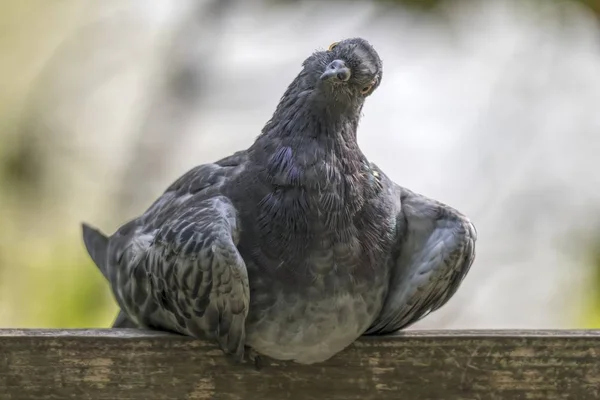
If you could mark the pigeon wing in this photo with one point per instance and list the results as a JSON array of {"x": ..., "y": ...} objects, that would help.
[
  {"x": 435, "y": 250},
  {"x": 177, "y": 267}
]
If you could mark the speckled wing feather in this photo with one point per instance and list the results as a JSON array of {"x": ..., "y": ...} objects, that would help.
[
  {"x": 177, "y": 267},
  {"x": 436, "y": 247}
]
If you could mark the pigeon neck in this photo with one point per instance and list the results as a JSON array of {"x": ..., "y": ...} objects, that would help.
[
  {"x": 301, "y": 114},
  {"x": 306, "y": 145}
]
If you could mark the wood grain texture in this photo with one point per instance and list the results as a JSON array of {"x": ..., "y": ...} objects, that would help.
[{"x": 432, "y": 365}]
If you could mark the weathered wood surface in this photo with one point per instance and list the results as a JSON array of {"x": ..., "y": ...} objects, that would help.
[{"x": 436, "y": 365}]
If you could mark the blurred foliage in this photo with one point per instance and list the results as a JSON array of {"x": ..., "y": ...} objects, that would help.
[
  {"x": 46, "y": 280},
  {"x": 46, "y": 277},
  {"x": 591, "y": 316},
  {"x": 427, "y": 5},
  {"x": 593, "y": 5}
]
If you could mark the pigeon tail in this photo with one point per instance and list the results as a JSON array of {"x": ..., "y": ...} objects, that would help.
[
  {"x": 122, "y": 321},
  {"x": 96, "y": 244}
]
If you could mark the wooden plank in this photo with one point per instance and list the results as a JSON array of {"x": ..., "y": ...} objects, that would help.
[{"x": 431, "y": 365}]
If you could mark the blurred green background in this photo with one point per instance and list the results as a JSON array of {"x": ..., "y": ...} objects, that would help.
[
  {"x": 58, "y": 167},
  {"x": 47, "y": 280}
]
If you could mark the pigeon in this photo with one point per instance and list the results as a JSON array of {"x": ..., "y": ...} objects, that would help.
[{"x": 296, "y": 246}]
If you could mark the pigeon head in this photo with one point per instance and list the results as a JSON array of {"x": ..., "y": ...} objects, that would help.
[
  {"x": 330, "y": 88},
  {"x": 349, "y": 69}
]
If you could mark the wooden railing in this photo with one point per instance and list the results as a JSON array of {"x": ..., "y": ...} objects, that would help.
[{"x": 415, "y": 365}]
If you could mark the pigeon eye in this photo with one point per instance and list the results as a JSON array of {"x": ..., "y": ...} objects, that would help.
[
  {"x": 333, "y": 46},
  {"x": 366, "y": 89}
]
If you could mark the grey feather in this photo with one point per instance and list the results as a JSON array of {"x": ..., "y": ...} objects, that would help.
[
  {"x": 96, "y": 244},
  {"x": 436, "y": 250},
  {"x": 122, "y": 321},
  {"x": 177, "y": 269},
  {"x": 297, "y": 245}
]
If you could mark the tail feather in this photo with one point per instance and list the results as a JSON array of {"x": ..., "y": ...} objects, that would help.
[
  {"x": 96, "y": 244},
  {"x": 122, "y": 321}
]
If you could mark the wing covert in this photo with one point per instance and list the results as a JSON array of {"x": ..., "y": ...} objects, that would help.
[
  {"x": 187, "y": 276},
  {"x": 436, "y": 248}
]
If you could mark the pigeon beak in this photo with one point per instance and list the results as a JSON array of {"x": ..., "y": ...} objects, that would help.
[{"x": 337, "y": 71}]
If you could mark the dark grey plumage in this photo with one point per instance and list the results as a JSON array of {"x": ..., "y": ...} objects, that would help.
[{"x": 296, "y": 246}]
